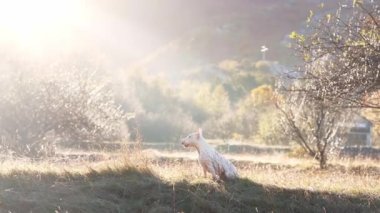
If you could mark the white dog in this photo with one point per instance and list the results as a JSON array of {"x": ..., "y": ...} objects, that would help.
[{"x": 209, "y": 158}]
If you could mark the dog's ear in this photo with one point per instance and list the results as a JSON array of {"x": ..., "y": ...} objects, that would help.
[{"x": 200, "y": 132}]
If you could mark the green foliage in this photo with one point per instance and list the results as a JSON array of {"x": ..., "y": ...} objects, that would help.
[
  {"x": 264, "y": 66},
  {"x": 270, "y": 130},
  {"x": 164, "y": 127},
  {"x": 160, "y": 114},
  {"x": 262, "y": 96},
  {"x": 223, "y": 105},
  {"x": 247, "y": 76},
  {"x": 214, "y": 101},
  {"x": 256, "y": 115},
  {"x": 229, "y": 65},
  {"x": 298, "y": 37}
]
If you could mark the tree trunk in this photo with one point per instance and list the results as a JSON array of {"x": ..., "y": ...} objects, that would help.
[{"x": 323, "y": 160}]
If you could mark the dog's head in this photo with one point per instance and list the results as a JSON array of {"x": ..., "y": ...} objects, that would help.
[{"x": 192, "y": 139}]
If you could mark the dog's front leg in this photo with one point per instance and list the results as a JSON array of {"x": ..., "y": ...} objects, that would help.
[
  {"x": 208, "y": 167},
  {"x": 204, "y": 167},
  {"x": 211, "y": 169},
  {"x": 204, "y": 172}
]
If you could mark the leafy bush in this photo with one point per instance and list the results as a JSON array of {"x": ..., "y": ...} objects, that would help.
[{"x": 165, "y": 127}]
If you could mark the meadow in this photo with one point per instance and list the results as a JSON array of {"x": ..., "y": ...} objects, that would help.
[{"x": 137, "y": 180}]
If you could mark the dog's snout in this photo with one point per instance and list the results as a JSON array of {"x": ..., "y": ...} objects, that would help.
[{"x": 183, "y": 142}]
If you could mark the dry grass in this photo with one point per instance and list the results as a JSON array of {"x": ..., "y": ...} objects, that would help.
[
  {"x": 344, "y": 176},
  {"x": 172, "y": 182}
]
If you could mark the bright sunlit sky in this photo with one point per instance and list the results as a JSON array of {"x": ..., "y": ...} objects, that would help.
[
  {"x": 42, "y": 28},
  {"x": 30, "y": 25}
]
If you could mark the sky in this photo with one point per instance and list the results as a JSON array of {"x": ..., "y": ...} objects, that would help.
[{"x": 119, "y": 33}]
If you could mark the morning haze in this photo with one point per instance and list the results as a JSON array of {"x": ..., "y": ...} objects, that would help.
[{"x": 189, "y": 106}]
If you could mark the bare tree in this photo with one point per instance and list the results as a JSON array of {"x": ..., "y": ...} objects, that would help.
[
  {"x": 311, "y": 124},
  {"x": 347, "y": 45},
  {"x": 340, "y": 70},
  {"x": 310, "y": 116}
]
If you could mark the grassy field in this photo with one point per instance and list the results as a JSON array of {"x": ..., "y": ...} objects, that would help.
[{"x": 152, "y": 181}]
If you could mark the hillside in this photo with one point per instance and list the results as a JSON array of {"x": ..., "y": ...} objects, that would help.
[
  {"x": 171, "y": 37},
  {"x": 208, "y": 33}
]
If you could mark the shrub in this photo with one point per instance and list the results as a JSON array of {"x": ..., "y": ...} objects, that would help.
[{"x": 37, "y": 110}]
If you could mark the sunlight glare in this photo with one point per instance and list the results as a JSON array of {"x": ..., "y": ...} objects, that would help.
[{"x": 29, "y": 23}]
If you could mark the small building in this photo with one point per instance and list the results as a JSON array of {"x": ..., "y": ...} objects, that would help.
[{"x": 359, "y": 132}]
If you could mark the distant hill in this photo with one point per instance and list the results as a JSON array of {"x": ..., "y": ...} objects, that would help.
[{"x": 198, "y": 34}]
